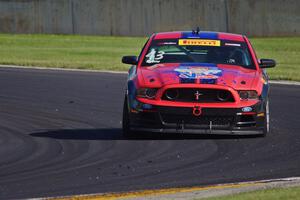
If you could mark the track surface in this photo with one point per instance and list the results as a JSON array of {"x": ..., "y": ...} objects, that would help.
[{"x": 60, "y": 135}]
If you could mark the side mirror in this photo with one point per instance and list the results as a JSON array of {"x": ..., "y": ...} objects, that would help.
[
  {"x": 267, "y": 63},
  {"x": 131, "y": 60}
]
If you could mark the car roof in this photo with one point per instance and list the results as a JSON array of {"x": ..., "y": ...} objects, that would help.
[{"x": 199, "y": 35}]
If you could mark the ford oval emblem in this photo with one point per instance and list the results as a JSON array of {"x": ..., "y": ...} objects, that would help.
[{"x": 247, "y": 109}]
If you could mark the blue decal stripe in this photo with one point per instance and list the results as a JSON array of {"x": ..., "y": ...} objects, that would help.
[
  {"x": 189, "y": 34},
  {"x": 208, "y": 35},
  {"x": 201, "y": 35}
]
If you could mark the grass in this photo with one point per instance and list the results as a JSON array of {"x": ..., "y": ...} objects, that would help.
[
  {"x": 292, "y": 193},
  {"x": 68, "y": 51},
  {"x": 286, "y": 52},
  {"x": 98, "y": 52}
]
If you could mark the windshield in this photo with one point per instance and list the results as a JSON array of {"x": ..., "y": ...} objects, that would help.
[{"x": 198, "y": 51}]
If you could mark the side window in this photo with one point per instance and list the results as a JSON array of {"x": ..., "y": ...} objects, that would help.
[{"x": 143, "y": 48}]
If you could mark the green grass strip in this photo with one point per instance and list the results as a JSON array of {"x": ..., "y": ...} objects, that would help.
[
  {"x": 104, "y": 53},
  {"x": 292, "y": 193}
]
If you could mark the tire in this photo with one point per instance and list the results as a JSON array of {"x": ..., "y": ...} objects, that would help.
[
  {"x": 127, "y": 133},
  {"x": 267, "y": 119}
]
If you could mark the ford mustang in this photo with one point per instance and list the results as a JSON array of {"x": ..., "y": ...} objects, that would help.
[{"x": 197, "y": 82}]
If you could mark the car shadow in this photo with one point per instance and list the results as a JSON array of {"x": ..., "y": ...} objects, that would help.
[{"x": 116, "y": 134}]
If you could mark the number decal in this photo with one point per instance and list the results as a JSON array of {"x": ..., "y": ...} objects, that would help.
[{"x": 154, "y": 57}]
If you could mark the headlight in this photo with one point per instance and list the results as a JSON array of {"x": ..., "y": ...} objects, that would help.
[
  {"x": 248, "y": 94},
  {"x": 146, "y": 93}
]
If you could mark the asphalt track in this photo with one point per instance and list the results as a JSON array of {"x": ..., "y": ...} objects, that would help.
[{"x": 60, "y": 135}]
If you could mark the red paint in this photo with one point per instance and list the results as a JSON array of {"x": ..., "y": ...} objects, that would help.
[
  {"x": 168, "y": 35},
  {"x": 230, "y": 36},
  {"x": 163, "y": 77}
]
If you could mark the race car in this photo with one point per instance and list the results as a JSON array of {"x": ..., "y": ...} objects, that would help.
[{"x": 197, "y": 82}]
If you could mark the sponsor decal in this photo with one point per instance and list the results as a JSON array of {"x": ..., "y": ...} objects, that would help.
[
  {"x": 198, "y": 72},
  {"x": 232, "y": 44},
  {"x": 167, "y": 43},
  {"x": 198, "y": 42}
]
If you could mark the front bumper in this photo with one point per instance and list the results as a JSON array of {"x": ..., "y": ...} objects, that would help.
[{"x": 228, "y": 121}]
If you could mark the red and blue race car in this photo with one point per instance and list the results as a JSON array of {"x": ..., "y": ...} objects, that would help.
[{"x": 197, "y": 82}]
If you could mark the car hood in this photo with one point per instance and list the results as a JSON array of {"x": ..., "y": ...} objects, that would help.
[{"x": 233, "y": 76}]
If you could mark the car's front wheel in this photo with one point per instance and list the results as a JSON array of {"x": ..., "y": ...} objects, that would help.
[
  {"x": 267, "y": 119},
  {"x": 126, "y": 120}
]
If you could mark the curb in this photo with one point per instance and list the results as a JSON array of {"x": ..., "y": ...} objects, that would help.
[{"x": 197, "y": 192}]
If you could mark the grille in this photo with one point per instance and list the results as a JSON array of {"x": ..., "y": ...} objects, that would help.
[
  {"x": 197, "y": 95},
  {"x": 205, "y": 111},
  {"x": 201, "y": 120}
]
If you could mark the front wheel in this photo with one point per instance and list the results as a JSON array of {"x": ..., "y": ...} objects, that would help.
[
  {"x": 126, "y": 121},
  {"x": 267, "y": 119}
]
